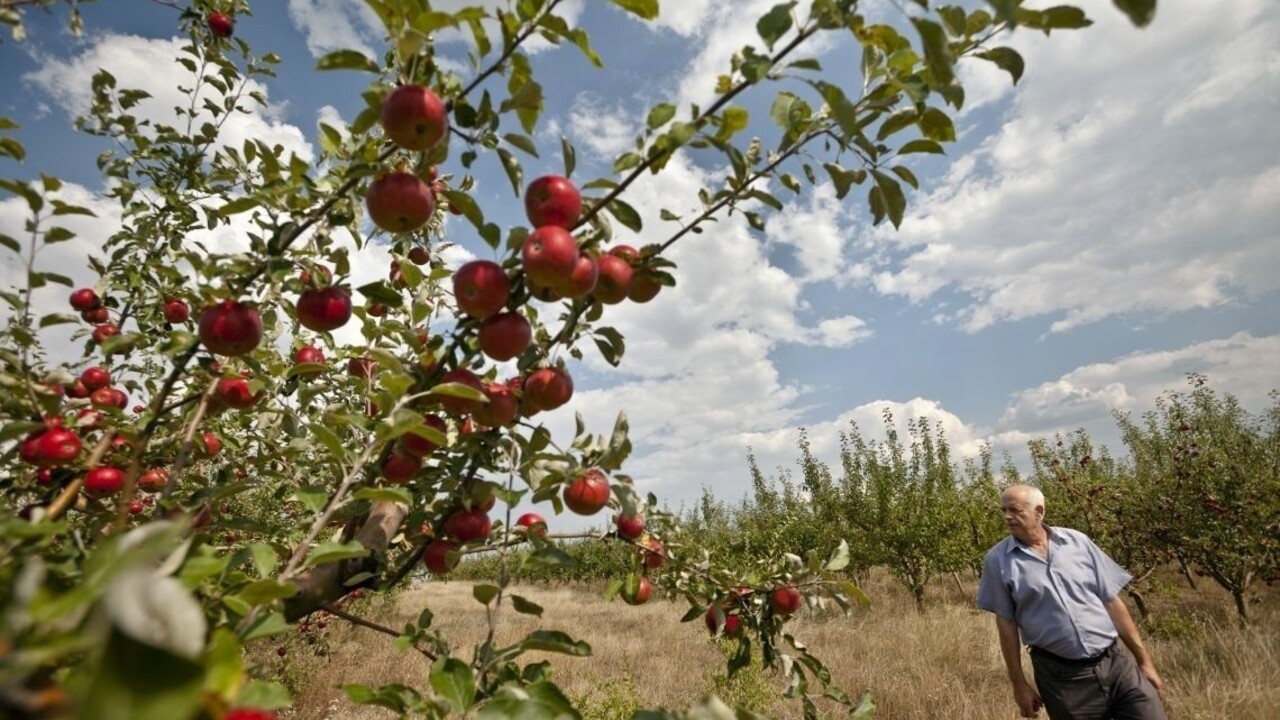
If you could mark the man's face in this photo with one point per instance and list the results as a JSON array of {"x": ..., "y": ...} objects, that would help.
[{"x": 1020, "y": 515}]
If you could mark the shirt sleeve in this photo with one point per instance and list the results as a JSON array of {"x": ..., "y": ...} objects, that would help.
[
  {"x": 993, "y": 594},
  {"x": 1111, "y": 577}
]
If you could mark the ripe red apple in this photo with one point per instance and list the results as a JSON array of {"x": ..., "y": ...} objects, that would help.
[
  {"x": 85, "y": 299},
  {"x": 211, "y": 444},
  {"x": 95, "y": 377},
  {"x": 468, "y": 525},
  {"x": 104, "y": 331},
  {"x": 376, "y": 309},
  {"x": 548, "y": 388},
  {"x": 309, "y": 355},
  {"x": 626, "y": 252},
  {"x": 361, "y": 367},
  {"x": 732, "y": 624},
  {"x": 88, "y": 419},
  {"x": 44, "y": 477},
  {"x": 230, "y": 328},
  {"x": 644, "y": 287},
  {"x": 481, "y": 288},
  {"x": 400, "y": 467},
  {"x": 221, "y": 25},
  {"x": 457, "y": 405},
  {"x": 153, "y": 480},
  {"x": 440, "y": 556},
  {"x": 103, "y": 480},
  {"x": 96, "y": 316},
  {"x": 785, "y": 600},
  {"x": 503, "y": 407},
  {"x": 399, "y": 202},
  {"x": 418, "y": 445},
  {"x": 413, "y": 117},
  {"x": 419, "y": 255},
  {"x": 587, "y": 493},
  {"x": 77, "y": 390},
  {"x": 615, "y": 280},
  {"x": 641, "y": 595},
  {"x": 549, "y": 254},
  {"x": 630, "y": 527},
  {"x": 583, "y": 279},
  {"x": 234, "y": 392},
  {"x": 324, "y": 309},
  {"x": 109, "y": 397},
  {"x": 533, "y": 524},
  {"x": 396, "y": 275},
  {"x": 552, "y": 200},
  {"x": 55, "y": 446},
  {"x": 505, "y": 336},
  {"x": 176, "y": 311},
  {"x": 655, "y": 555}
]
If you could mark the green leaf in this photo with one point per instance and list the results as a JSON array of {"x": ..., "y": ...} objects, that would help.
[
  {"x": 454, "y": 680},
  {"x": 264, "y": 558},
  {"x": 780, "y": 111},
  {"x": 265, "y": 695},
  {"x": 1065, "y": 17},
  {"x": 570, "y": 156},
  {"x": 523, "y": 142},
  {"x": 170, "y": 687},
  {"x": 515, "y": 173},
  {"x": 347, "y": 60},
  {"x": 625, "y": 214},
  {"x": 1140, "y": 12},
  {"x": 10, "y": 243},
  {"x": 525, "y": 606},
  {"x": 58, "y": 319},
  {"x": 266, "y": 591},
  {"x": 1006, "y": 58},
  {"x": 556, "y": 642},
  {"x": 844, "y": 179},
  {"x": 896, "y": 122},
  {"x": 936, "y": 125},
  {"x": 484, "y": 594},
  {"x": 839, "y": 559},
  {"x": 921, "y": 146},
  {"x": 626, "y": 161},
  {"x": 906, "y": 175},
  {"x": 646, "y": 9},
  {"x": 239, "y": 205},
  {"x": 660, "y": 115},
  {"x": 895, "y": 200},
  {"x": 953, "y": 18},
  {"x": 775, "y": 23},
  {"x": 735, "y": 119},
  {"x": 866, "y": 708},
  {"x": 937, "y": 53},
  {"x": 13, "y": 148},
  {"x": 329, "y": 552}
]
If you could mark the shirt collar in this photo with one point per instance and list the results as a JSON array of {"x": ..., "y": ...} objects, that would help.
[{"x": 1055, "y": 537}]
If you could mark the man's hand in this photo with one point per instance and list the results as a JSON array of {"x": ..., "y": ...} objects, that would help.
[
  {"x": 1148, "y": 670},
  {"x": 1027, "y": 698}
]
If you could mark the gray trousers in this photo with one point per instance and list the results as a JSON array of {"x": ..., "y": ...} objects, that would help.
[{"x": 1112, "y": 688}]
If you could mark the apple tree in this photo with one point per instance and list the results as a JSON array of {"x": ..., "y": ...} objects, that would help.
[{"x": 214, "y": 466}]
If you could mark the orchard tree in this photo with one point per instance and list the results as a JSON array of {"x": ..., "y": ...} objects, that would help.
[{"x": 215, "y": 467}]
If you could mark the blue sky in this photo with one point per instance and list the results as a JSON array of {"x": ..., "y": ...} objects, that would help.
[{"x": 1099, "y": 231}]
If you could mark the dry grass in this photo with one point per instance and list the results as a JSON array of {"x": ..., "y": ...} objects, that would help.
[{"x": 942, "y": 664}]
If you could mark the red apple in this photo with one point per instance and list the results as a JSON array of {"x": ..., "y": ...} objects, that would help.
[
  {"x": 626, "y": 252},
  {"x": 644, "y": 287},
  {"x": 457, "y": 405},
  {"x": 44, "y": 477},
  {"x": 533, "y": 524},
  {"x": 549, "y": 255},
  {"x": 230, "y": 328},
  {"x": 103, "y": 480},
  {"x": 655, "y": 555},
  {"x": 630, "y": 527},
  {"x": 419, "y": 255},
  {"x": 211, "y": 444},
  {"x": 176, "y": 311},
  {"x": 221, "y": 25},
  {"x": 96, "y": 315},
  {"x": 77, "y": 390},
  {"x": 583, "y": 279},
  {"x": 468, "y": 525},
  {"x": 641, "y": 595},
  {"x": 85, "y": 299},
  {"x": 505, "y": 336},
  {"x": 419, "y": 445},
  {"x": 53, "y": 447},
  {"x": 376, "y": 309},
  {"x": 251, "y": 713},
  {"x": 785, "y": 600},
  {"x": 309, "y": 355},
  {"x": 548, "y": 388},
  {"x": 400, "y": 467},
  {"x": 235, "y": 392},
  {"x": 361, "y": 367},
  {"x": 324, "y": 309},
  {"x": 413, "y": 117},
  {"x": 440, "y": 556},
  {"x": 503, "y": 407},
  {"x": 104, "y": 331},
  {"x": 615, "y": 280},
  {"x": 109, "y": 397},
  {"x": 95, "y": 378},
  {"x": 481, "y": 288},
  {"x": 153, "y": 480},
  {"x": 587, "y": 493},
  {"x": 399, "y": 202},
  {"x": 552, "y": 200},
  {"x": 732, "y": 624}
]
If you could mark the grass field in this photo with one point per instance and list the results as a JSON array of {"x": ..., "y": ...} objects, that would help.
[{"x": 943, "y": 664}]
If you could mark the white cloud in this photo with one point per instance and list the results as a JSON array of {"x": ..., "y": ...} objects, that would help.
[
  {"x": 148, "y": 64},
  {"x": 605, "y": 130},
  {"x": 1117, "y": 184}
]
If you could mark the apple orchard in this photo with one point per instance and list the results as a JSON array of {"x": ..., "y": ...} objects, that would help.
[{"x": 215, "y": 469}]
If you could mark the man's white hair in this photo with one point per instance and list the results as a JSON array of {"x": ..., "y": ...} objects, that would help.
[{"x": 1031, "y": 494}]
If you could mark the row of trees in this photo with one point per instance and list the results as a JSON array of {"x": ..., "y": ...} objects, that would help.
[{"x": 1200, "y": 487}]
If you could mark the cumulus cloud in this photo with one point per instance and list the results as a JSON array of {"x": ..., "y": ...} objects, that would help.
[{"x": 1137, "y": 195}]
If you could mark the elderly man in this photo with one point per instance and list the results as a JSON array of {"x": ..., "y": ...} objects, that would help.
[{"x": 1062, "y": 593}]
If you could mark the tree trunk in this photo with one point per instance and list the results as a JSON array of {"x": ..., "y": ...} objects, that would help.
[
  {"x": 959, "y": 586},
  {"x": 1186, "y": 573},
  {"x": 1242, "y": 607},
  {"x": 1140, "y": 603},
  {"x": 917, "y": 590},
  {"x": 326, "y": 583}
]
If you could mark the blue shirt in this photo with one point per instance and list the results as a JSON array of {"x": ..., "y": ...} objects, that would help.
[{"x": 1057, "y": 602}]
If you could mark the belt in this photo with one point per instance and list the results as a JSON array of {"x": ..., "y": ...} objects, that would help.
[{"x": 1093, "y": 660}]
